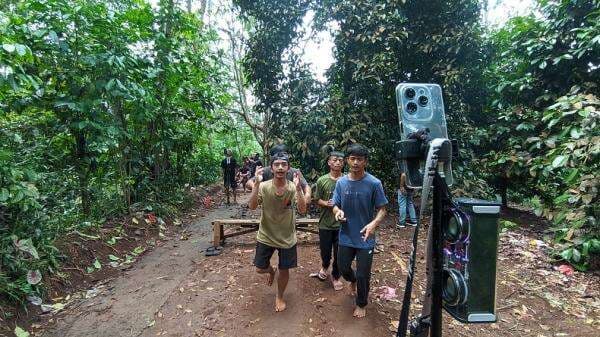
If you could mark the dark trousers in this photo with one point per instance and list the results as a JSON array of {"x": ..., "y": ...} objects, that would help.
[
  {"x": 328, "y": 241},
  {"x": 362, "y": 277}
]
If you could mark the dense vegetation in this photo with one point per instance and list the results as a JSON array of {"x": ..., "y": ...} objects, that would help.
[
  {"x": 105, "y": 107},
  {"x": 108, "y": 107},
  {"x": 545, "y": 141}
]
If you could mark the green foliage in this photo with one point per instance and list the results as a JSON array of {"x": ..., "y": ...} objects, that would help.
[
  {"x": 378, "y": 45},
  {"x": 554, "y": 155},
  {"x": 546, "y": 139},
  {"x": 105, "y": 106}
]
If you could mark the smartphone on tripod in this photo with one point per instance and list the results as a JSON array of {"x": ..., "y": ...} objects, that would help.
[{"x": 421, "y": 110}]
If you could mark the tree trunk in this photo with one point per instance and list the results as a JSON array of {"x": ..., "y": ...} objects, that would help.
[
  {"x": 82, "y": 171},
  {"x": 124, "y": 150},
  {"x": 504, "y": 191}
]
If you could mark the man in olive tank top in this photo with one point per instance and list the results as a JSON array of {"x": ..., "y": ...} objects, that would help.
[{"x": 277, "y": 230}]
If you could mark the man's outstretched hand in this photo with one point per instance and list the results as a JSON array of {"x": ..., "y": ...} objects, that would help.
[{"x": 368, "y": 230}]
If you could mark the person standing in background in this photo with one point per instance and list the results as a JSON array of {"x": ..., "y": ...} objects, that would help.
[{"x": 229, "y": 166}]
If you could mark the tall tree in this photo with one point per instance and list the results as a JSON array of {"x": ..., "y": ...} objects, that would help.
[{"x": 274, "y": 25}]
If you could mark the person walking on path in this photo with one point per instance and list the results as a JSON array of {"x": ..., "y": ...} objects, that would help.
[
  {"x": 359, "y": 204},
  {"x": 405, "y": 204},
  {"x": 277, "y": 228},
  {"x": 328, "y": 226}
]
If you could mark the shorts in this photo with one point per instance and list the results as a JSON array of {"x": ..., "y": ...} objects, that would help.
[{"x": 288, "y": 257}]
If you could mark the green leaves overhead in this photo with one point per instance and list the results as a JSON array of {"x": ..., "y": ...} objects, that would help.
[{"x": 378, "y": 44}]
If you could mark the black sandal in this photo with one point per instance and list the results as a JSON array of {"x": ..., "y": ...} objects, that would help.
[{"x": 213, "y": 251}]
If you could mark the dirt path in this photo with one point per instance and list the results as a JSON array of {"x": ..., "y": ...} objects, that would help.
[
  {"x": 128, "y": 305},
  {"x": 175, "y": 291}
]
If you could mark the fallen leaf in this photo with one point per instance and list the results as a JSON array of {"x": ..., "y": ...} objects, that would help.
[
  {"x": 393, "y": 327},
  {"x": 35, "y": 300},
  {"x": 565, "y": 269},
  {"x": 20, "y": 332}
]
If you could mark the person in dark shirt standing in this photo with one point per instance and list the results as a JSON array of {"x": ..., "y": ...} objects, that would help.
[
  {"x": 244, "y": 173},
  {"x": 359, "y": 205},
  {"x": 229, "y": 167}
]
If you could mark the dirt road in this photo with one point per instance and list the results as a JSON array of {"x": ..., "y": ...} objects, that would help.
[{"x": 175, "y": 290}]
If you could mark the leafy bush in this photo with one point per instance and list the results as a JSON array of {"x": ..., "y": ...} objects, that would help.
[
  {"x": 545, "y": 143},
  {"x": 104, "y": 108}
]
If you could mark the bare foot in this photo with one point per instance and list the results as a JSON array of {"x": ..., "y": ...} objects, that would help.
[
  {"x": 352, "y": 289},
  {"x": 359, "y": 312},
  {"x": 271, "y": 276},
  {"x": 279, "y": 304},
  {"x": 337, "y": 284}
]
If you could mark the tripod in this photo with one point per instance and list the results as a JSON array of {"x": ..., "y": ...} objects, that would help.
[{"x": 430, "y": 321}]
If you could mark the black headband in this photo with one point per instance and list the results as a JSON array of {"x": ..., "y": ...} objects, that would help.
[
  {"x": 280, "y": 156},
  {"x": 336, "y": 154}
]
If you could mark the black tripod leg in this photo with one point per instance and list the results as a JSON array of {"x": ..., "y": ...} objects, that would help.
[{"x": 436, "y": 236}]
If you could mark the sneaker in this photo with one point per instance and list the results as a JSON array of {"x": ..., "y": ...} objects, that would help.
[
  {"x": 400, "y": 226},
  {"x": 412, "y": 224}
]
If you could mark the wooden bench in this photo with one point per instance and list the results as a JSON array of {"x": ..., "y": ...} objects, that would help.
[{"x": 251, "y": 225}]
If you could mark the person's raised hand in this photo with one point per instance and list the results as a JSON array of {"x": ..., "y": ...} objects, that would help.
[
  {"x": 259, "y": 174},
  {"x": 297, "y": 180}
]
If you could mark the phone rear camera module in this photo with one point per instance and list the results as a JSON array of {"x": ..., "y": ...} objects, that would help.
[
  {"x": 410, "y": 93},
  {"x": 423, "y": 100},
  {"x": 411, "y": 108}
]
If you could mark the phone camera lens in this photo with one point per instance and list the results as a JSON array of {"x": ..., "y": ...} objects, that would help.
[
  {"x": 411, "y": 108},
  {"x": 423, "y": 100},
  {"x": 410, "y": 93}
]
